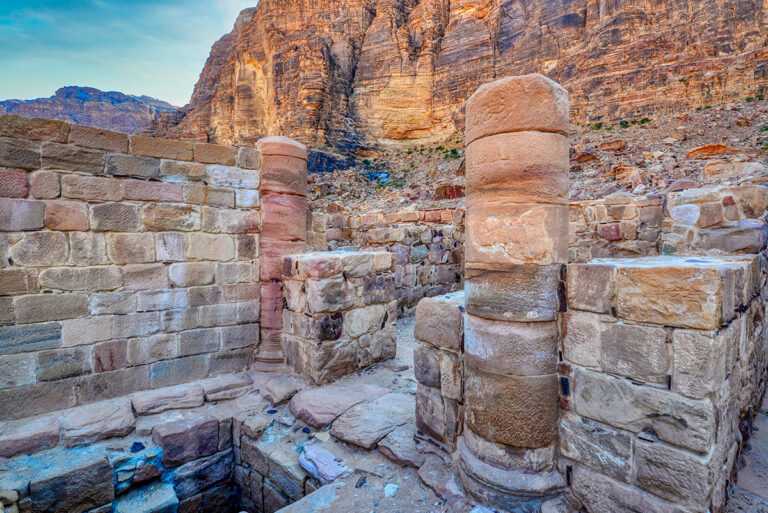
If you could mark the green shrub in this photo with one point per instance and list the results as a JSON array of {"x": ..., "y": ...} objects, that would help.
[
  {"x": 597, "y": 126},
  {"x": 624, "y": 124}
]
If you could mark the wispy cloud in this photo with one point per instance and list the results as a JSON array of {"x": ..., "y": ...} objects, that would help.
[{"x": 154, "y": 47}]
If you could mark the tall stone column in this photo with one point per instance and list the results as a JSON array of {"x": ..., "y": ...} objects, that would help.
[
  {"x": 283, "y": 192},
  {"x": 517, "y": 245}
]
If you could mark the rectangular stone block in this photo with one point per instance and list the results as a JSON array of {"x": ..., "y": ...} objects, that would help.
[
  {"x": 110, "y": 356},
  {"x": 13, "y": 183},
  {"x": 36, "y": 129},
  {"x": 204, "y": 246},
  {"x": 131, "y": 248},
  {"x": 524, "y": 293},
  {"x": 88, "y": 248},
  {"x": 198, "y": 342},
  {"x": 247, "y": 198},
  {"x": 591, "y": 287},
  {"x": 180, "y": 370},
  {"x": 91, "y": 188},
  {"x": 142, "y": 190},
  {"x": 75, "y": 488},
  {"x": 186, "y": 440},
  {"x": 113, "y": 303},
  {"x": 162, "y": 300},
  {"x": 161, "y": 217},
  {"x": 198, "y": 475},
  {"x": 700, "y": 359},
  {"x": 235, "y": 337},
  {"x": 21, "y": 215},
  {"x": 685, "y": 422},
  {"x": 98, "y": 138},
  {"x": 29, "y": 436},
  {"x": 228, "y": 176},
  {"x": 72, "y": 158},
  {"x": 217, "y": 315},
  {"x": 16, "y": 370},
  {"x": 129, "y": 165},
  {"x": 145, "y": 277},
  {"x": 284, "y": 216},
  {"x": 171, "y": 247},
  {"x": 44, "y": 185},
  {"x": 160, "y": 148},
  {"x": 214, "y": 154},
  {"x": 200, "y": 194},
  {"x": 151, "y": 349},
  {"x": 18, "y": 153},
  {"x": 89, "y": 424},
  {"x": 136, "y": 325},
  {"x": 63, "y": 363},
  {"x": 18, "y": 281},
  {"x": 89, "y": 279},
  {"x": 639, "y": 352},
  {"x": 182, "y": 170},
  {"x": 107, "y": 385},
  {"x": 40, "y": 249},
  {"x": 228, "y": 362},
  {"x": 34, "y": 399},
  {"x": 582, "y": 342},
  {"x": 66, "y": 216},
  {"x": 50, "y": 307},
  {"x": 435, "y": 415},
  {"x": 248, "y": 158}
]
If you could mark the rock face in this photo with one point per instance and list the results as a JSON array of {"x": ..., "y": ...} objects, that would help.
[
  {"x": 88, "y": 106},
  {"x": 363, "y": 72}
]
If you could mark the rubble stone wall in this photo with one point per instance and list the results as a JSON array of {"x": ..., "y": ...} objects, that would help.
[
  {"x": 428, "y": 244},
  {"x": 663, "y": 358},
  {"x": 340, "y": 313},
  {"x": 126, "y": 263}
]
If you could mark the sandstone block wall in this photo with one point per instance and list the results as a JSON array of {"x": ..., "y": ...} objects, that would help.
[
  {"x": 126, "y": 263},
  {"x": 428, "y": 245},
  {"x": 662, "y": 359},
  {"x": 340, "y": 313},
  {"x": 439, "y": 367}
]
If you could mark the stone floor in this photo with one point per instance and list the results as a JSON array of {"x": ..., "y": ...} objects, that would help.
[{"x": 750, "y": 493}]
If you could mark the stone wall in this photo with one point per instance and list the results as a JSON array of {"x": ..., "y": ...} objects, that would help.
[
  {"x": 663, "y": 358},
  {"x": 126, "y": 263},
  {"x": 340, "y": 314},
  {"x": 428, "y": 244}
]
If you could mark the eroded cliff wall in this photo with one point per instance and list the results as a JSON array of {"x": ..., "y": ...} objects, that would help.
[{"x": 351, "y": 73}]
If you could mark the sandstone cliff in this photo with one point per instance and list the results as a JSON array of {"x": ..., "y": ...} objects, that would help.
[
  {"x": 88, "y": 106},
  {"x": 366, "y": 73}
]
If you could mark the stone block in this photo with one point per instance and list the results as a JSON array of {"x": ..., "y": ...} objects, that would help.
[
  {"x": 198, "y": 475},
  {"x": 65, "y": 363},
  {"x": 191, "y": 274},
  {"x": 675, "y": 419},
  {"x": 226, "y": 387},
  {"x": 204, "y": 246},
  {"x": 44, "y": 185},
  {"x": 34, "y": 337},
  {"x": 228, "y": 176},
  {"x": 523, "y": 167},
  {"x": 279, "y": 389},
  {"x": 72, "y": 158},
  {"x": 108, "y": 385},
  {"x": 50, "y": 307},
  {"x": 368, "y": 422},
  {"x": 224, "y": 220},
  {"x": 318, "y": 265},
  {"x": 131, "y": 248},
  {"x": 426, "y": 366},
  {"x": 40, "y": 249},
  {"x": 507, "y": 234},
  {"x": 746, "y": 236},
  {"x": 524, "y": 293},
  {"x": 160, "y": 148},
  {"x": 319, "y": 407},
  {"x": 217, "y": 315},
  {"x": 162, "y": 300},
  {"x": 16, "y": 370},
  {"x": 328, "y": 295},
  {"x": 284, "y": 216},
  {"x": 18, "y": 281},
  {"x": 283, "y": 175},
  {"x": 110, "y": 356},
  {"x": 214, "y": 154},
  {"x": 582, "y": 343},
  {"x": 21, "y": 215},
  {"x": 243, "y": 335},
  {"x": 526, "y": 460},
  {"x": 248, "y": 158},
  {"x": 700, "y": 360},
  {"x": 29, "y": 435},
  {"x": 87, "y": 248},
  {"x": 36, "y": 129},
  {"x": 153, "y": 191},
  {"x": 638, "y": 352},
  {"x": 670, "y": 293},
  {"x": 247, "y": 246},
  {"x": 151, "y": 349},
  {"x": 34, "y": 399},
  {"x": 518, "y": 348},
  {"x": 89, "y": 424},
  {"x": 91, "y": 188},
  {"x": 145, "y": 277},
  {"x": 89, "y": 137},
  {"x": 90, "y": 279},
  {"x": 73, "y": 488},
  {"x": 378, "y": 289},
  {"x": 600, "y": 447},
  {"x": 246, "y": 198},
  {"x": 591, "y": 287},
  {"x": 521, "y": 411},
  {"x": 135, "y": 325},
  {"x": 129, "y": 165},
  {"x": 166, "y": 217},
  {"x": 359, "y": 321},
  {"x": 13, "y": 183},
  {"x": 18, "y": 153},
  {"x": 152, "y": 402},
  {"x": 198, "y": 342},
  {"x": 180, "y": 370},
  {"x": 518, "y": 103},
  {"x": 228, "y": 362},
  {"x": 113, "y": 303},
  {"x": 66, "y": 216},
  {"x": 439, "y": 321},
  {"x": 235, "y": 272},
  {"x": 155, "y": 498},
  {"x": 436, "y": 416}
]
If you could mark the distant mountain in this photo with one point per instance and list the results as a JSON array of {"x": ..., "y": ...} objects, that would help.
[{"x": 88, "y": 106}]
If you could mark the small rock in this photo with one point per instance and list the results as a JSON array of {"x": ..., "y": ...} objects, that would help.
[
  {"x": 281, "y": 388},
  {"x": 321, "y": 464},
  {"x": 88, "y": 424},
  {"x": 319, "y": 407}
]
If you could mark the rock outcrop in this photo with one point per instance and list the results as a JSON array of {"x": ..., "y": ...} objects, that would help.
[
  {"x": 111, "y": 110},
  {"x": 375, "y": 73}
]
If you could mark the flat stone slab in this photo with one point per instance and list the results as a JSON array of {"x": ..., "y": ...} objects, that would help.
[
  {"x": 226, "y": 387},
  {"x": 321, "y": 464},
  {"x": 281, "y": 388},
  {"x": 171, "y": 398},
  {"x": 74, "y": 489},
  {"x": 155, "y": 498},
  {"x": 28, "y": 436},
  {"x": 401, "y": 448},
  {"x": 366, "y": 423},
  {"x": 94, "y": 422},
  {"x": 318, "y": 407}
]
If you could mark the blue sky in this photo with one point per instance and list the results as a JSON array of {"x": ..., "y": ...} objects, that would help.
[{"x": 152, "y": 47}]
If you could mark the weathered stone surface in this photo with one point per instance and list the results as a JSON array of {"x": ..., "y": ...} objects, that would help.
[
  {"x": 50, "y": 307},
  {"x": 129, "y": 165},
  {"x": 503, "y": 456},
  {"x": 179, "y": 370},
  {"x": 40, "y": 249},
  {"x": 435, "y": 415},
  {"x": 639, "y": 352},
  {"x": 201, "y": 474},
  {"x": 400, "y": 447},
  {"x": 18, "y": 153},
  {"x": 189, "y": 274},
  {"x": 515, "y": 410},
  {"x": 186, "y": 440},
  {"x": 675, "y": 419},
  {"x": 226, "y": 387},
  {"x": 157, "y": 401},
  {"x": 426, "y": 366},
  {"x": 366, "y": 423},
  {"x": 107, "y": 385},
  {"x": 519, "y": 348},
  {"x": 21, "y": 214},
  {"x": 35, "y": 337},
  {"x": 700, "y": 360},
  {"x": 78, "y": 488},
  {"x": 17, "y": 369},
  {"x": 582, "y": 343},
  {"x": 63, "y": 363},
  {"x": 159, "y": 217},
  {"x": 152, "y": 498},
  {"x": 66, "y": 216},
  {"x": 672, "y": 474},
  {"x": 13, "y": 183},
  {"x": 746, "y": 236},
  {"x": 281, "y": 388},
  {"x": 524, "y": 293},
  {"x": 321, "y": 464},
  {"x": 439, "y": 321},
  {"x": 44, "y": 185},
  {"x": 29, "y": 435},
  {"x": 89, "y": 279},
  {"x": 319, "y": 407},
  {"x": 591, "y": 287},
  {"x": 72, "y": 158},
  {"x": 89, "y": 424},
  {"x": 600, "y": 447}
]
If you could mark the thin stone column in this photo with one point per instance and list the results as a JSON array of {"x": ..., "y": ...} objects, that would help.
[
  {"x": 284, "y": 208},
  {"x": 517, "y": 245}
]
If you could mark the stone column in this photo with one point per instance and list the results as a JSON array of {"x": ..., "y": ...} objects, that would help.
[
  {"x": 517, "y": 245},
  {"x": 283, "y": 193}
]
